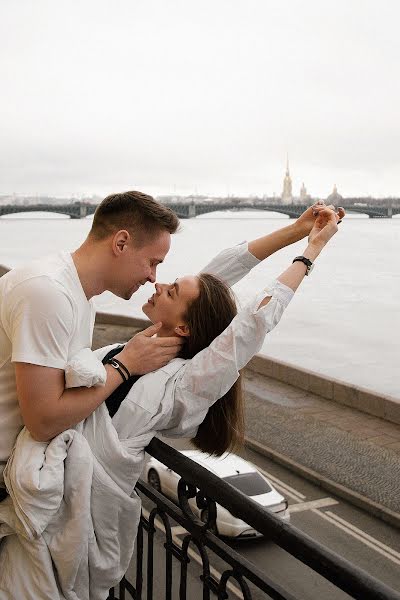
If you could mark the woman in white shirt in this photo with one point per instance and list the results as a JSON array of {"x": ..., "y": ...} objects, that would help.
[{"x": 181, "y": 399}]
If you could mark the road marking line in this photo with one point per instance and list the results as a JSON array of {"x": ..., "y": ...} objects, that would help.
[
  {"x": 348, "y": 530},
  {"x": 295, "y": 495},
  {"x": 192, "y": 553},
  {"x": 363, "y": 534},
  {"x": 321, "y": 503}
]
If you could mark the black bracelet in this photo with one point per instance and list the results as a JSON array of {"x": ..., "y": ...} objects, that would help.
[
  {"x": 116, "y": 365},
  {"x": 123, "y": 367}
]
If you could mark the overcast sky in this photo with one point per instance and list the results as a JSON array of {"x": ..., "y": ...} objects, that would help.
[{"x": 181, "y": 96}]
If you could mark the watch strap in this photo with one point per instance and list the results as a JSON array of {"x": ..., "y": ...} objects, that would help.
[{"x": 305, "y": 261}]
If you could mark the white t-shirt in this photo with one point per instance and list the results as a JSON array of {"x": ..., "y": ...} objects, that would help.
[{"x": 45, "y": 318}]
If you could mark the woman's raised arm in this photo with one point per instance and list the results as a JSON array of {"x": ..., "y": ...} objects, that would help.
[
  {"x": 324, "y": 229},
  {"x": 212, "y": 372},
  {"x": 232, "y": 264},
  {"x": 267, "y": 245}
]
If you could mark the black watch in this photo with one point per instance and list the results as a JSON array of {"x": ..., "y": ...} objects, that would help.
[{"x": 309, "y": 264}]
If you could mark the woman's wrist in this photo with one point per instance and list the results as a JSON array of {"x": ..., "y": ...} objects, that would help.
[
  {"x": 313, "y": 250},
  {"x": 299, "y": 231}
]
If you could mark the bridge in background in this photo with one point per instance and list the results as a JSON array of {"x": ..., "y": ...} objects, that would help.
[
  {"x": 75, "y": 210},
  {"x": 188, "y": 210}
]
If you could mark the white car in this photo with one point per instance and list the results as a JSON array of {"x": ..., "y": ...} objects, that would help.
[{"x": 232, "y": 469}]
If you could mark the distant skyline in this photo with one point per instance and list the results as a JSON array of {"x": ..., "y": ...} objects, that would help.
[{"x": 208, "y": 97}]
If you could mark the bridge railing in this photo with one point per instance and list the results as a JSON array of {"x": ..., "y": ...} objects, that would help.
[
  {"x": 238, "y": 575},
  {"x": 79, "y": 210}
]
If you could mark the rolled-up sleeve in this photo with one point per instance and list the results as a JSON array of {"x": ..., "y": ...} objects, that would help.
[
  {"x": 212, "y": 372},
  {"x": 232, "y": 264}
]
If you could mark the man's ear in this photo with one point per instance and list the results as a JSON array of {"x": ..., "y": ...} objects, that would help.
[
  {"x": 120, "y": 241},
  {"x": 182, "y": 330}
]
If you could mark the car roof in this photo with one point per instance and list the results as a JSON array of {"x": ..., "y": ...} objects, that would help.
[{"x": 223, "y": 466}]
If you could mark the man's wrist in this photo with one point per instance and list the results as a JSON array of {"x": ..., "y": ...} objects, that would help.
[{"x": 128, "y": 363}]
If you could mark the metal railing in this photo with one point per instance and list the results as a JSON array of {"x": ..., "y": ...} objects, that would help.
[{"x": 208, "y": 489}]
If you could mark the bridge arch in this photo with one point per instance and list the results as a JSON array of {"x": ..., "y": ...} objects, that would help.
[
  {"x": 74, "y": 211},
  {"x": 21, "y": 210},
  {"x": 255, "y": 209}
]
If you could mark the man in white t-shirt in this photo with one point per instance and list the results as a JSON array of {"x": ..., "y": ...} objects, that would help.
[{"x": 46, "y": 316}]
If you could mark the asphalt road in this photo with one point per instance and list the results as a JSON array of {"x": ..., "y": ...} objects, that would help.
[{"x": 363, "y": 540}]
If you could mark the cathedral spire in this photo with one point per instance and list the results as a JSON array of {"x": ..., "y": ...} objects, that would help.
[{"x": 287, "y": 197}]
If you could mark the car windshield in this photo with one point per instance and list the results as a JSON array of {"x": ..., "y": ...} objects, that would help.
[{"x": 251, "y": 484}]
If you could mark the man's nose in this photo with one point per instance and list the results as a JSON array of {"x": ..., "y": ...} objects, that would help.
[{"x": 152, "y": 276}]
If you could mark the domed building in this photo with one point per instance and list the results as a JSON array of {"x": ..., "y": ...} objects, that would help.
[
  {"x": 335, "y": 198},
  {"x": 304, "y": 197}
]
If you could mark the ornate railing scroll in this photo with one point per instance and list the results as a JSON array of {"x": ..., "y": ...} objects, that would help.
[{"x": 208, "y": 489}]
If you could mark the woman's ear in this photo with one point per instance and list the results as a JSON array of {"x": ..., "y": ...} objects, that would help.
[{"x": 182, "y": 330}]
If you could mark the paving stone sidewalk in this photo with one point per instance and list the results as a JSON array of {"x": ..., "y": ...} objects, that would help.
[{"x": 354, "y": 449}]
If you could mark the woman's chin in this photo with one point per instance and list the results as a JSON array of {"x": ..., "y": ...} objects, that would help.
[{"x": 147, "y": 310}]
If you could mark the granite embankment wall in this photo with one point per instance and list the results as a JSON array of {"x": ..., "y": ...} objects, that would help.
[{"x": 364, "y": 400}]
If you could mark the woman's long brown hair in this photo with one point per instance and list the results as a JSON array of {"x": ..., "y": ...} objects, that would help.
[{"x": 207, "y": 317}]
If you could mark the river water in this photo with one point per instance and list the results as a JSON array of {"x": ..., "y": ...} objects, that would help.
[{"x": 343, "y": 322}]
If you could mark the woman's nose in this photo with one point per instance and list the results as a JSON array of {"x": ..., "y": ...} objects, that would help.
[{"x": 158, "y": 288}]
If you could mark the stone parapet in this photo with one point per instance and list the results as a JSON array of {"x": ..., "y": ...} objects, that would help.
[
  {"x": 385, "y": 407},
  {"x": 121, "y": 320}
]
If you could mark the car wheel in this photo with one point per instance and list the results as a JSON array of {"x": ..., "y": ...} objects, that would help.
[
  {"x": 154, "y": 480},
  {"x": 204, "y": 517}
]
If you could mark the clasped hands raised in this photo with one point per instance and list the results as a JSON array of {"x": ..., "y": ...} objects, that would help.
[
  {"x": 326, "y": 222},
  {"x": 305, "y": 223}
]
